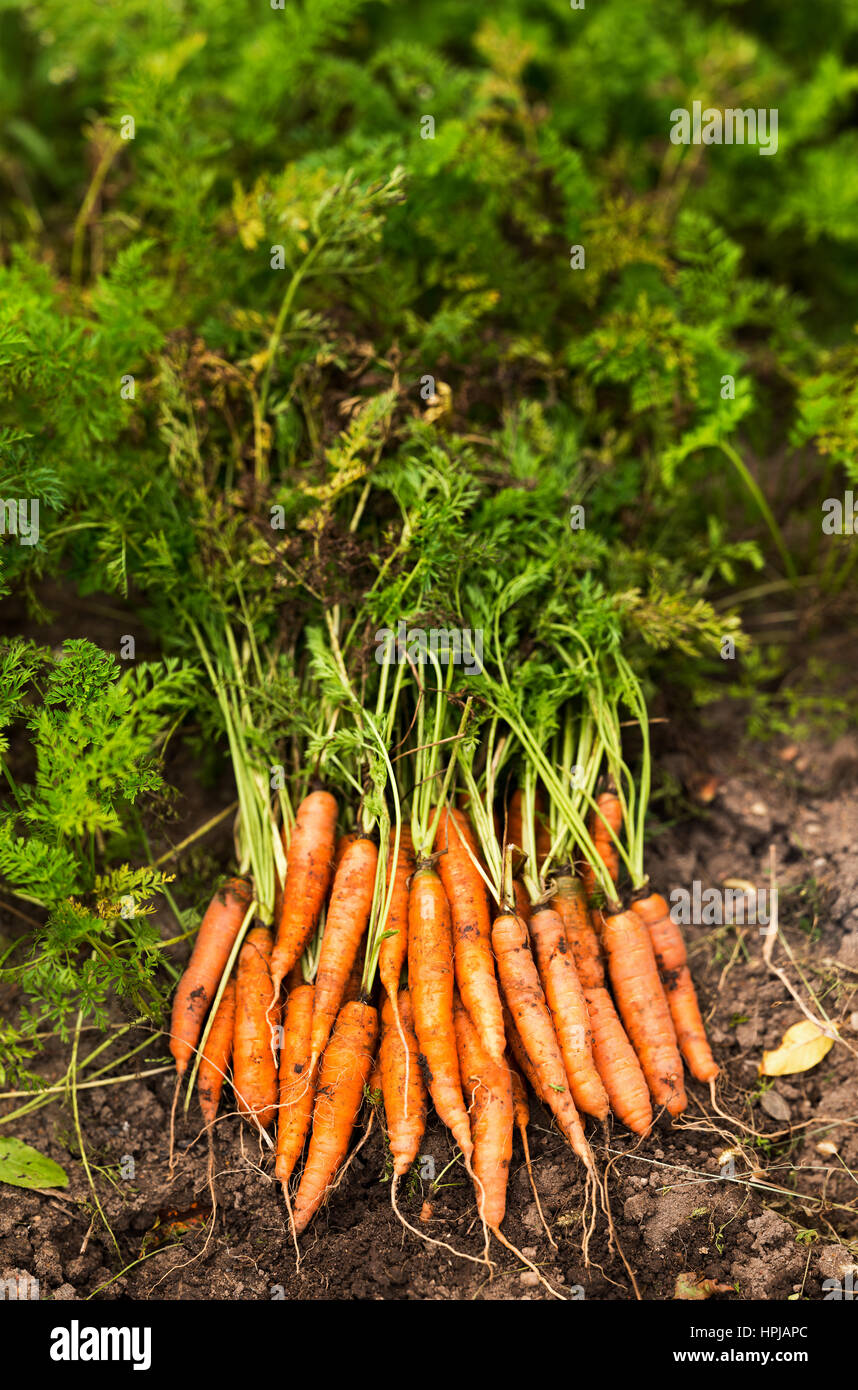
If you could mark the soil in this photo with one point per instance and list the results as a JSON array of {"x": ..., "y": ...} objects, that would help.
[{"x": 742, "y": 1195}]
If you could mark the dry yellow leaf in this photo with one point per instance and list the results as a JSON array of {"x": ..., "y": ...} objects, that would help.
[
  {"x": 802, "y": 1046},
  {"x": 690, "y": 1286},
  {"x": 440, "y": 404}
]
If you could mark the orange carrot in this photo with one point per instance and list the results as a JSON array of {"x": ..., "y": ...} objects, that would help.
[
  {"x": 345, "y": 924},
  {"x": 520, "y": 1105},
  {"x": 394, "y": 947},
  {"x": 489, "y": 1091},
  {"x": 405, "y": 1110},
  {"x": 643, "y": 1007},
  {"x": 568, "y": 1010},
  {"x": 673, "y": 969},
  {"x": 472, "y": 930},
  {"x": 374, "y": 1084},
  {"x": 198, "y": 986},
  {"x": 253, "y": 1067},
  {"x": 345, "y": 1070},
  {"x": 309, "y": 867},
  {"x": 609, "y": 817},
  {"x": 613, "y": 1054},
  {"x": 617, "y": 1063},
  {"x": 522, "y": 900},
  {"x": 295, "y": 978},
  {"x": 297, "y": 1082},
  {"x": 430, "y": 977},
  {"x": 570, "y": 900},
  {"x": 353, "y": 983},
  {"x": 215, "y": 1059},
  {"x": 518, "y": 1051},
  {"x": 523, "y": 993}
]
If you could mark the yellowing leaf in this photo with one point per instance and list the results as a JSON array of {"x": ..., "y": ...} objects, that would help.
[
  {"x": 690, "y": 1286},
  {"x": 246, "y": 209},
  {"x": 440, "y": 404},
  {"x": 802, "y": 1046}
]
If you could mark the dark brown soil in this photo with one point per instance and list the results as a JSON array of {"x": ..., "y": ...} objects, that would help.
[{"x": 777, "y": 1223}]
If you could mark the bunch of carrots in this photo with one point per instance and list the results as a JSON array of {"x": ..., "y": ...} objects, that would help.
[{"x": 507, "y": 953}]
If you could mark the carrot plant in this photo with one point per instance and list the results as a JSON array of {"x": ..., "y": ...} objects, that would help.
[{"x": 82, "y": 745}]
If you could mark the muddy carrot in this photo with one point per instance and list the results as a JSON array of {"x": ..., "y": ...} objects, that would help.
[
  {"x": 253, "y": 1067},
  {"x": 352, "y": 989},
  {"x": 215, "y": 1059},
  {"x": 609, "y": 815},
  {"x": 675, "y": 976},
  {"x": 309, "y": 867},
  {"x": 472, "y": 930},
  {"x": 613, "y": 1054},
  {"x": 404, "y": 1108},
  {"x": 393, "y": 951},
  {"x": 374, "y": 1083},
  {"x": 643, "y": 1007},
  {"x": 430, "y": 977},
  {"x": 522, "y": 900},
  {"x": 617, "y": 1063},
  {"x": 520, "y": 1105},
  {"x": 570, "y": 900},
  {"x": 346, "y": 921},
  {"x": 568, "y": 1009},
  {"x": 198, "y": 986},
  {"x": 345, "y": 1070},
  {"x": 488, "y": 1089},
  {"x": 518, "y": 1051},
  {"x": 297, "y": 1088},
  {"x": 523, "y": 993}
]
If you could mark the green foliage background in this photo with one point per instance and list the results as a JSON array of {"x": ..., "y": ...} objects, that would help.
[
  {"x": 230, "y": 263},
  {"x": 300, "y": 127}
]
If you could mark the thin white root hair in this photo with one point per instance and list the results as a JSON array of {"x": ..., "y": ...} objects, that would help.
[
  {"x": 430, "y": 1240},
  {"x": 498, "y": 1234},
  {"x": 527, "y": 1163}
]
